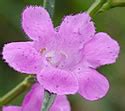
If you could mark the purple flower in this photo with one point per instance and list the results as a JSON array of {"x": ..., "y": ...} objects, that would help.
[
  {"x": 65, "y": 58},
  {"x": 33, "y": 102}
]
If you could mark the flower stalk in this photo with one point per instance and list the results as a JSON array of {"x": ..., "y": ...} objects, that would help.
[
  {"x": 94, "y": 8},
  {"x": 103, "y": 5},
  {"x": 20, "y": 88},
  {"x": 49, "y": 5},
  {"x": 112, "y": 4},
  {"x": 48, "y": 100},
  {"x": 118, "y": 3}
]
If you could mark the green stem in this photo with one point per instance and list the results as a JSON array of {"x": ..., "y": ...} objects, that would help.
[
  {"x": 94, "y": 8},
  {"x": 118, "y": 4},
  {"x": 47, "y": 100},
  {"x": 49, "y": 5},
  {"x": 20, "y": 88},
  {"x": 112, "y": 4},
  {"x": 115, "y": 3},
  {"x": 106, "y": 6}
]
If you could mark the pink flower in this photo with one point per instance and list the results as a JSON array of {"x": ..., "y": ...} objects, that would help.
[
  {"x": 33, "y": 102},
  {"x": 65, "y": 58}
]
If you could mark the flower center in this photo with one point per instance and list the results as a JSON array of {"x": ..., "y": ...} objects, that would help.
[{"x": 53, "y": 58}]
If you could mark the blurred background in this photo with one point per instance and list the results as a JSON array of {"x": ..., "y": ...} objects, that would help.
[{"x": 112, "y": 22}]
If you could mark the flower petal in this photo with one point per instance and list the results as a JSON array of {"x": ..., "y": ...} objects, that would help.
[
  {"x": 77, "y": 29},
  {"x": 33, "y": 101},
  {"x": 22, "y": 57},
  {"x": 74, "y": 32},
  {"x": 58, "y": 81},
  {"x": 36, "y": 23},
  {"x": 61, "y": 104},
  {"x": 12, "y": 108},
  {"x": 92, "y": 85},
  {"x": 101, "y": 50}
]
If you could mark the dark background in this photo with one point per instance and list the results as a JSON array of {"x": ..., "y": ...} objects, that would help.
[{"x": 112, "y": 22}]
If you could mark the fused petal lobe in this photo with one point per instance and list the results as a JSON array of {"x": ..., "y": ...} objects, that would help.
[
  {"x": 77, "y": 29},
  {"x": 33, "y": 100},
  {"x": 36, "y": 23},
  {"x": 22, "y": 57},
  {"x": 92, "y": 85},
  {"x": 74, "y": 32},
  {"x": 101, "y": 50},
  {"x": 58, "y": 81},
  {"x": 61, "y": 104}
]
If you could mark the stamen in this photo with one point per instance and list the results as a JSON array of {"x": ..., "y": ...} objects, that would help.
[{"x": 42, "y": 50}]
